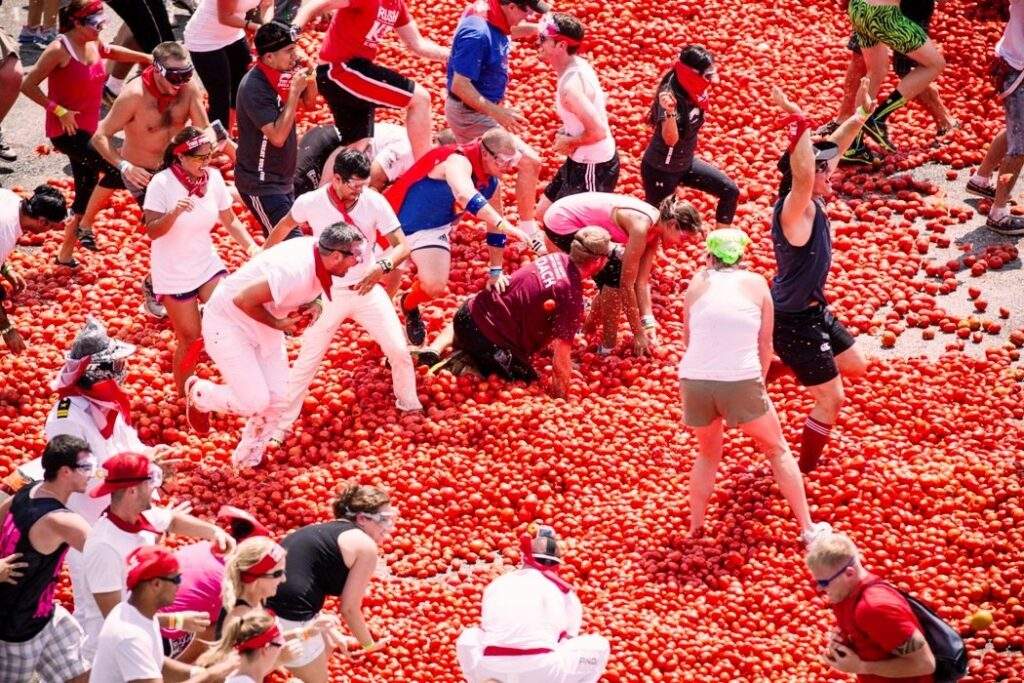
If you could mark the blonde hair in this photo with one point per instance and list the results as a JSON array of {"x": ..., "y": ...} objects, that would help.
[
  {"x": 237, "y": 630},
  {"x": 830, "y": 553},
  {"x": 245, "y": 555}
]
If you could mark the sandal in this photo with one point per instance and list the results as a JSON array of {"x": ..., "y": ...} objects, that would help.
[
  {"x": 87, "y": 239},
  {"x": 73, "y": 263}
]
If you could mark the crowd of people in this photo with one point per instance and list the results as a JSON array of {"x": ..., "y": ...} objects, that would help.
[{"x": 343, "y": 211}]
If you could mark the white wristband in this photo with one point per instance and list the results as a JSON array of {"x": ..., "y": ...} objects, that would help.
[
  {"x": 648, "y": 322},
  {"x": 124, "y": 165}
]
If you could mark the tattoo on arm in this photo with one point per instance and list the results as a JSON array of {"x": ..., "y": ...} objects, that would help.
[{"x": 913, "y": 644}]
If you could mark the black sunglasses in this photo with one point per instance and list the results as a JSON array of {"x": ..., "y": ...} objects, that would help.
[
  {"x": 821, "y": 166},
  {"x": 824, "y": 583},
  {"x": 176, "y": 579}
]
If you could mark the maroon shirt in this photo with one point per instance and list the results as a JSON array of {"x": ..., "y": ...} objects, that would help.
[{"x": 520, "y": 320}]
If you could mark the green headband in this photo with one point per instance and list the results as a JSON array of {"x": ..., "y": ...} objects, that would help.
[{"x": 727, "y": 244}]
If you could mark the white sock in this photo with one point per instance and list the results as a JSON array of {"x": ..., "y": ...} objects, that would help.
[
  {"x": 984, "y": 181},
  {"x": 997, "y": 212},
  {"x": 115, "y": 84}
]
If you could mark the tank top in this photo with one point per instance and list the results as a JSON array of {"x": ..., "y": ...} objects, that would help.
[
  {"x": 76, "y": 87},
  {"x": 430, "y": 203},
  {"x": 724, "y": 325},
  {"x": 602, "y": 150},
  {"x": 28, "y": 606},
  {"x": 675, "y": 158},
  {"x": 204, "y": 31},
  {"x": 800, "y": 280},
  {"x": 575, "y": 212},
  {"x": 314, "y": 569}
]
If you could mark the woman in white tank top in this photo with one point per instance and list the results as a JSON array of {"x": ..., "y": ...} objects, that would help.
[{"x": 728, "y": 349}]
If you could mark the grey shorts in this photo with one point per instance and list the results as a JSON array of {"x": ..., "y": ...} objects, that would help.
[
  {"x": 55, "y": 654},
  {"x": 466, "y": 123},
  {"x": 737, "y": 402},
  {"x": 8, "y": 46},
  {"x": 1014, "y": 108}
]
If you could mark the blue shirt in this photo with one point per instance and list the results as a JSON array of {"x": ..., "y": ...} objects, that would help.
[
  {"x": 430, "y": 203},
  {"x": 480, "y": 53}
]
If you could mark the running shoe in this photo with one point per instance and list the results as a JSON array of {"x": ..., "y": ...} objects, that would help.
[
  {"x": 30, "y": 35},
  {"x": 248, "y": 453},
  {"x": 427, "y": 357},
  {"x": 151, "y": 305},
  {"x": 86, "y": 238},
  {"x": 860, "y": 155},
  {"x": 7, "y": 153},
  {"x": 47, "y": 36},
  {"x": 817, "y": 531},
  {"x": 827, "y": 129},
  {"x": 415, "y": 330},
  {"x": 198, "y": 420},
  {"x": 979, "y": 190},
  {"x": 1009, "y": 225},
  {"x": 879, "y": 132}
]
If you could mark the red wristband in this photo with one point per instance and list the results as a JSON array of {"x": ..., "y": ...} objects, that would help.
[
  {"x": 51, "y": 105},
  {"x": 796, "y": 125}
]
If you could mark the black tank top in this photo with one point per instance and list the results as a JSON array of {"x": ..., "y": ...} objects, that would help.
[
  {"x": 314, "y": 569},
  {"x": 802, "y": 270},
  {"x": 28, "y": 606}
]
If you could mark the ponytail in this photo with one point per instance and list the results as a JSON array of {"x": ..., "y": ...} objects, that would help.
[{"x": 237, "y": 630}]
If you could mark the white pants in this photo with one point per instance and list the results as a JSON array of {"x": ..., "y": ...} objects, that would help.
[
  {"x": 375, "y": 313},
  {"x": 255, "y": 375},
  {"x": 574, "y": 660}
]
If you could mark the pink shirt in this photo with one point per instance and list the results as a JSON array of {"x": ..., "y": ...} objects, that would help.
[
  {"x": 77, "y": 87},
  {"x": 201, "y": 575},
  {"x": 575, "y": 212}
]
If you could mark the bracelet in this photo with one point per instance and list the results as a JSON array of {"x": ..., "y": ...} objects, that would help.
[
  {"x": 5, "y": 269},
  {"x": 51, "y": 105},
  {"x": 386, "y": 265},
  {"x": 5, "y": 330},
  {"x": 495, "y": 271},
  {"x": 497, "y": 239},
  {"x": 475, "y": 203},
  {"x": 123, "y": 165},
  {"x": 863, "y": 113},
  {"x": 177, "y": 621},
  {"x": 59, "y": 111},
  {"x": 196, "y": 671},
  {"x": 648, "y": 322},
  {"x": 367, "y": 648}
]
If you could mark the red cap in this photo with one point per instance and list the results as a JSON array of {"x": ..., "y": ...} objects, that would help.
[
  {"x": 150, "y": 562},
  {"x": 122, "y": 471},
  {"x": 242, "y": 524}
]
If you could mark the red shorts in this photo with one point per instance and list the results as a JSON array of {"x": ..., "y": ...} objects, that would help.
[{"x": 354, "y": 89}]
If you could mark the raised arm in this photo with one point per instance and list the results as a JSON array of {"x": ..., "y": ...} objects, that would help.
[
  {"x": 421, "y": 45},
  {"x": 316, "y": 8}
]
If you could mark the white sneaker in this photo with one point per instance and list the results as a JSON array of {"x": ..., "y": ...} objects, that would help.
[
  {"x": 817, "y": 531},
  {"x": 249, "y": 451}
]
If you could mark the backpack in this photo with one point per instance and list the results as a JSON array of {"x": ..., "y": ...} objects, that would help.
[{"x": 946, "y": 644}]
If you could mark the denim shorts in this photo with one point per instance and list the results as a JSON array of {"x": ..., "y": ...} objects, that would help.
[{"x": 1014, "y": 108}]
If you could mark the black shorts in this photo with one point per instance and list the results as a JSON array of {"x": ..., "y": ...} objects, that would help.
[
  {"x": 486, "y": 356},
  {"x": 114, "y": 181},
  {"x": 354, "y": 89},
  {"x": 609, "y": 276},
  {"x": 809, "y": 341},
  {"x": 574, "y": 178}
]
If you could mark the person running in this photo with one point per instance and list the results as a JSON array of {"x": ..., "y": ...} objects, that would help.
[
  {"x": 593, "y": 161},
  {"x": 356, "y": 295},
  {"x": 334, "y": 558},
  {"x": 353, "y": 84},
  {"x": 530, "y": 622},
  {"x": 215, "y": 37},
  {"x": 183, "y": 204},
  {"x": 677, "y": 115},
  {"x": 45, "y": 210},
  {"x": 543, "y": 304},
  {"x": 431, "y": 198},
  {"x": 244, "y": 327},
  {"x": 878, "y": 25},
  {"x": 257, "y": 639},
  {"x": 727, "y": 342},
  {"x": 73, "y": 67},
  {"x": 477, "y": 77},
  {"x": 807, "y": 336},
  {"x": 10, "y": 86},
  {"x": 149, "y": 111},
  {"x": 37, "y": 635},
  {"x": 638, "y": 228}
]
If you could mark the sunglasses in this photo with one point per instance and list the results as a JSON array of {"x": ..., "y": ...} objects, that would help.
[
  {"x": 200, "y": 157},
  {"x": 276, "y": 643},
  {"x": 344, "y": 253},
  {"x": 95, "y": 21},
  {"x": 176, "y": 579},
  {"x": 276, "y": 574},
  {"x": 89, "y": 467},
  {"x": 176, "y": 75},
  {"x": 504, "y": 160},
  {"x": 824, "y": 583}
]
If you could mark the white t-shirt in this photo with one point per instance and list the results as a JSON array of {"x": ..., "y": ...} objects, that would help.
[
  {"x": 390, "y": 148},
  {"x": 184, "y": 258},
  {"x": 129, "y": 648},
  {"x": 105, "y": 553},
  {"x": 205, "y": 33},
  {"x": 596, "y": 152},
  {"x": 10, "y": 222},
  {"x": 372, "y": 215},
  {"x": 1011, "y": 46},
  {"x": 290, "y": 270},
  {"x": 239, "y": 678},
  {"x": 522, "y": 609}
]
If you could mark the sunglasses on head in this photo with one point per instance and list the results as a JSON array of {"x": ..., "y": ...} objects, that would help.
[
  {"x": 824, "y": 583},
  {"x": 176, "y": 75}
]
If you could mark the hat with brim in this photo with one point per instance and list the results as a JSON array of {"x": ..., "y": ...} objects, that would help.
[
  {"x": 122, "y": 471},
  {"x": 824, "y": 150},
  {"x": 93, "y": 341}
]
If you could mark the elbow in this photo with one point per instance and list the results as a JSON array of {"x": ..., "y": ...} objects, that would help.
[{"x": 928, "y": 663}]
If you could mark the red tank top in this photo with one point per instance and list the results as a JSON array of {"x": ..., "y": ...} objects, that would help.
[
  {"x": 356, "y": 31},
  {"x": 77, "y": 87}
]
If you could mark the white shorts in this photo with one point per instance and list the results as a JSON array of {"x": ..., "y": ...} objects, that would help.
[
  {"x": 574, "y": 660},
  {"x": 395, "y": 159},
  {"x": 312, "y": 647},
  {"x": 432, "y": 238}
]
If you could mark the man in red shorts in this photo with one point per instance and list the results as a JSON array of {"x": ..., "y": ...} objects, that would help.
[
  {"x": 879, "y": 639},
  {"x": 353, "y": 84}
]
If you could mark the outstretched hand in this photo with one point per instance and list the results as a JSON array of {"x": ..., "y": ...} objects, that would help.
[
  {"x": 864, "y": 98},
  {"x": 783, "y": 102}
]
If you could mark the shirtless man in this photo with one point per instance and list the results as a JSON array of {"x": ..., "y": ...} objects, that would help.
[{"x": 150, "y": 111}]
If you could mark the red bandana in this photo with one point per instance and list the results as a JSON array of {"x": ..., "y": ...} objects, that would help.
[
  {"x": 89, "y": 9},
  {"x": 149, "y": 83},
  {"x": 106, "y": 402},
  {"x": 193, "y": 185},
  {"x": 322, "y": 274},
  {"x": 280, "y": 81},
  {"x": 339, "y": 204},
  {"x": 395, "y": 194},
  {"x": 491, "y": 11},
  {"x": 274, "y": 555},
  {"x": 141, "y": 524},
  {"x": 693, "y": 83},
  {"x": 260, "y": 640},
  {"x": 549, "y": 573}
]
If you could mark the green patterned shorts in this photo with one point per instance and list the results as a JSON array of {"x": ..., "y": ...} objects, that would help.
[{"x": 873, "y": 24}]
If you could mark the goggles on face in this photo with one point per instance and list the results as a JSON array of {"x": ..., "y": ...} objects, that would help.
[
  {"x": 175, "y": 75},
  {"x": 87, "y": 466},
  {"x": 95, "y": 21},
  {"x": 505, "y": 159},
  {"x": 156, "y": 476},
  {"x": 387, "y": 519}
]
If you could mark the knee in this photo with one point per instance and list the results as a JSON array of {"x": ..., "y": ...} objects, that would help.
[
  {"x": 434, "y": 288},
  {"x": 11, "y": 74},
  {"x": 832, "y": 401},
  {"x": 730, "y": 192}
]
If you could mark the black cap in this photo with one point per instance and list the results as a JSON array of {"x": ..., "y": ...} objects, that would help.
[
  {"x": 824, "y": 150},
  {"x": 274, "y": 36}
]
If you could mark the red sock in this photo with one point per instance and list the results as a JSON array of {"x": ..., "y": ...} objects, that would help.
[
  {"x": 776, "y": 370},
  {"x": 816, "y": 435},
  {"x": 414, "y": 298}
]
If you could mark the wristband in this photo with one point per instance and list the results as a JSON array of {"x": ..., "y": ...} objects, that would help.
[
  {"x": 495, "y": 271},
  {"x": 497, "y": 239},
  {"x": 367, "y": 648},
  {"x": 196, "y": 671},
  {"x": 51, "y": 105},
  {"x": 5, "y": 269},
  {"x": 648, "y": 322},
  {"x": 796, "y": 125},
  {"x": 863, "y": 113},
  {"x": 124, "y": 165},
  {"x": 475, "y": 203},
  {"x": 386, "y": 265},
  {"x": 59, "y": 111}
]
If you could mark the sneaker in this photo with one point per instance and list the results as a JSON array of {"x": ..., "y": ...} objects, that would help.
[
  {"x": 860, "y": 155},
  {"x": 415, "y": 330},
  {"x": 879, "y": 132},
  {"x": 30, "y": 35},
  {"x": 427, "y": 357},
  {"x": 827, "y": 129},
  {"x": 251, "y": 443},
  {"x": 151, "y": 305},
  {"x": 818, "y": 530},
  {"x": 7, "y": 153},
  {"x": 86, "y": 238},
  {"x": 198, "y": 420},
  {"x": 1007, "y": 225},
  {"x": 47, "y": 36},
  {"x": 979, "y": 190}
]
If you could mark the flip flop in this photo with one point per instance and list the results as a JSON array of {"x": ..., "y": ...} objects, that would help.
[{"x": 67, "y": 264}]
